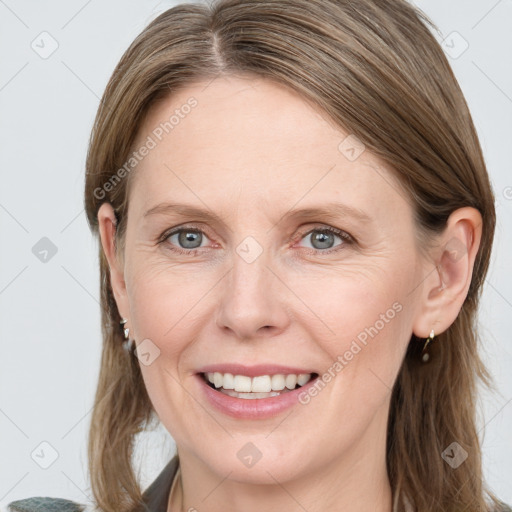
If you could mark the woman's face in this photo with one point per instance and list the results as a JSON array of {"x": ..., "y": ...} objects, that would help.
[{"x": 255, "y": 284}]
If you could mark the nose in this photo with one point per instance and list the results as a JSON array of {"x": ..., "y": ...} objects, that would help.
[{"x": 252, "y": 302}]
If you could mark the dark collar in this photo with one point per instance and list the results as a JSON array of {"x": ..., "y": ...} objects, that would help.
[{"x": 156, "y": 496}]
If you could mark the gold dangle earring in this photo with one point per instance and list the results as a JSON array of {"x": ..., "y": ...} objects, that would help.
[
  {"x": 127, "y": 343},
  {"x": 425, "y": 354}
]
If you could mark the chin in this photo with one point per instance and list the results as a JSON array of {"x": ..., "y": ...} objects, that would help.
[{"x": 256, "y": 460}]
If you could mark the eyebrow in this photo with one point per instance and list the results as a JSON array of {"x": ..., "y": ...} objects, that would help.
[{"x": 329, "y": 211}]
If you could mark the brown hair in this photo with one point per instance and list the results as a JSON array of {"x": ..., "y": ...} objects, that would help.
[{"x": 376, "y": 69}]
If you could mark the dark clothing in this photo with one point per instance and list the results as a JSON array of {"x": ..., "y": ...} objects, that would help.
[{"x": 155, "y": 497}]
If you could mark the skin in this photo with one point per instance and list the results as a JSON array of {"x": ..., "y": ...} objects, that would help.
[{"x": 250, "y": 151}]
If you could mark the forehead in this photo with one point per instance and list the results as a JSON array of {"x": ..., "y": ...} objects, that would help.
[{"x": 257, "y": 141}]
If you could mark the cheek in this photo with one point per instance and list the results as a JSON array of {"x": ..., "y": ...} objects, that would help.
[
  {"x": 167, "y": 307},
  {"x": 163, "y": 301},
  {"x": 341, "y": 309},
  {"x": 163, "y": 315},
  {"x": 357, "y": 319},
  {"x": 346, "y": 302},
  {"x": 365, "y": 319}
]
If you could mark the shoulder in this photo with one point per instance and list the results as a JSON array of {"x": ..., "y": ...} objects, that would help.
[
  {"x": 155, "y": 497},
  {"x": 45, "y": 504}
]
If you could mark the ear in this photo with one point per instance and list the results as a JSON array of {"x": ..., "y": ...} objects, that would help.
[
  {"x": 107, "y": 223},
  {"x": 449, "y": 272}
]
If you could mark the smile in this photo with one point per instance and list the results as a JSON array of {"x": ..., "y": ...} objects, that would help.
[
  {"x": 260, "y": 386},
  {"x": 252, "y": 392}
]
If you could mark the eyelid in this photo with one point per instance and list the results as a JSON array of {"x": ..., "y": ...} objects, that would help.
[
  {"x": 182, "y": 227},
  {"x": 347, "y": 239},
  {"x": 344, "y": 235},
  {"x": 330, "y": 229}
]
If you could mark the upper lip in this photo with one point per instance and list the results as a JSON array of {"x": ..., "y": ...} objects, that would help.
[{"x": 254, "y": 370}]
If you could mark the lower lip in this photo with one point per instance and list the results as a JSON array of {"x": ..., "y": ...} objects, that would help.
[{"x": 254, "y": 408}]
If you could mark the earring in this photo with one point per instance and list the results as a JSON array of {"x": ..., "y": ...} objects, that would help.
[
  {"x": 127, "y": 343},
  {"x": 425, "y": 355}
]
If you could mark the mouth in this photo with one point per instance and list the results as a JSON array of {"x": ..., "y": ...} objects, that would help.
[{"x": 257, "y": 387}]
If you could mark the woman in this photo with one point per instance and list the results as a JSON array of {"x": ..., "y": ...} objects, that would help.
[{"x": 296, "y": 222}]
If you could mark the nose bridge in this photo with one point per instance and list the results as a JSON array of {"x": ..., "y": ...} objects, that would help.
[
  {"x": 250, "y": 280},
  {"x": 250, "y": 297},
  {"x": 250, "y": 273}
]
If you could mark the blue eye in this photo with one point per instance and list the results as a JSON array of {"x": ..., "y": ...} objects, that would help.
[
  {"x": 189, "y": 241},
  {"x": 323, "y": 239}
]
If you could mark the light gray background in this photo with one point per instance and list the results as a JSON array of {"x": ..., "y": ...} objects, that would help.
[{"x": 50, "y": 322}]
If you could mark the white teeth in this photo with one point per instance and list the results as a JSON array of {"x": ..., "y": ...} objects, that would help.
[
  {"x": 218, "y": 379},
  {"x": 261, "y": 384},
  {"x": 256, "y": 385},
  {"x": 291, "y": 381},
  {"x": 278, "y": 382},
  {"x": 242, "y": 384},
  {"x": 249, "y": 396},
  {"x": 229, "y": 381},
  {"x": 303, "y": 378}
]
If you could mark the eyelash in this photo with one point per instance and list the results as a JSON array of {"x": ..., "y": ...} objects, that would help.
[{"x": 347, "y": 239}]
